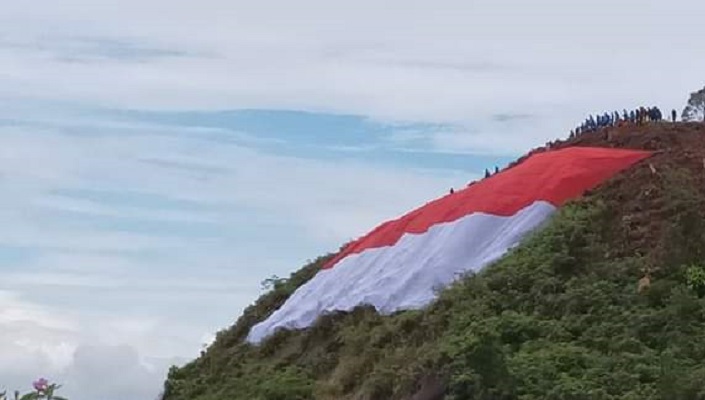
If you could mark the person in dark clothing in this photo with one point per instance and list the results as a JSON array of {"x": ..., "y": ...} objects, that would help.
[
  {"x": 452, "y": 191},
  {"x": 496, "y": 169},
  {"x": 487, "y": 173},
  {"x": 674, "y": 115}
]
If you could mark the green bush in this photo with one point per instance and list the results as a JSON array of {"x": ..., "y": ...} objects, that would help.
[
  {"x": 695, "y": 279},
  {"x": 43, "y": 390},
  {"x": 559, "y": 317}
]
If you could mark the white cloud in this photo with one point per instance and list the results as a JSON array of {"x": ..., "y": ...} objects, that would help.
[
  {"x": 89, "y": 286},
  {"x": 453, "y": 61},
  {"x": 91, "y": 363},
  {"x": 112, "y": 372},
  {"x": 216, "y": 174}
]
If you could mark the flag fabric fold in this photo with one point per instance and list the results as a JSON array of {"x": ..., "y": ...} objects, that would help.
[{"x": 401, "y": 264}]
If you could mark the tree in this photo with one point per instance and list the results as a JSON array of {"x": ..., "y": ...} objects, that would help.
[
  {"x": 695, "y": 110},
  {"x": 272, "y": 282}
]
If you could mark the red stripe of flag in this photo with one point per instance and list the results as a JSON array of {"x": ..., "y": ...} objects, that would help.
[{"x": 554, "y": 176}]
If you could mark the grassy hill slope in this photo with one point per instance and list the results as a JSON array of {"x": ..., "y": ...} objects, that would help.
[{"x": 560, "y": 317}]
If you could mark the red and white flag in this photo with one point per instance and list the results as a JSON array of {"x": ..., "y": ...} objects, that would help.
[{"x": 401, "y": 264}]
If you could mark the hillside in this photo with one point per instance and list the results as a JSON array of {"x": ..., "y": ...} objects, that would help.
[{"x": 560, "y": 317}]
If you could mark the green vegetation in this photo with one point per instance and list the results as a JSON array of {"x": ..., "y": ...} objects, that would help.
[
  {"x": 695, "y": 279},
  {"x": 559, "y": 318},
  {"x": 43, "y": 390}
]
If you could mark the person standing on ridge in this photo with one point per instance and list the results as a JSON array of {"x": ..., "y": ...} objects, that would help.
[
  {"x": 487, "y": 173},
  {"x": 674, "y": 115}
]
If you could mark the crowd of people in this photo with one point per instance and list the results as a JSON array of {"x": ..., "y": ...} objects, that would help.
[
  {"x": 639, "y": 116},
  {"x": 488, "y": 173}
]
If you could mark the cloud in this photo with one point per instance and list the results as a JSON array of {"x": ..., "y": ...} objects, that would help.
[
  {"x": 128, "y": 236},
  {"x": 112, "y": 372},
  {"x": 36, "y": 340},
  {"x": 32, "y": 339},
  {"x": 454, "y": 62},
  {"x": 87, "y": 50}
]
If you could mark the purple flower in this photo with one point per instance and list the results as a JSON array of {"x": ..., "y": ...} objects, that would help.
[{"x": 41, "y": 385}]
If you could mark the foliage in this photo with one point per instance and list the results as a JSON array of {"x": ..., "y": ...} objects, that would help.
[
  {"x": 695, "y": 110},
  {"x": 272, "y": 283},
  {"x": 43, "y": 390},
  {"x": 559, "y": 317},
  {"x": 695, "y": 279}
]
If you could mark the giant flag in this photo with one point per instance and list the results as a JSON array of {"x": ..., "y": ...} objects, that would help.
[{"x": 401, "y": 264}]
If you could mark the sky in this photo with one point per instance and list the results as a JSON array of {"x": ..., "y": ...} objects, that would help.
[{"x": 159, "y": 159}]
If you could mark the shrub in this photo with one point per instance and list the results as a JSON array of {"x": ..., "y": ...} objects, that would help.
[
  {"x": 43, "y": 390},
  {"x": 695, "y": 279}
]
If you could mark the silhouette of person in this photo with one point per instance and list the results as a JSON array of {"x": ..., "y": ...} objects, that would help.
[{"x": 674, "y": 115}]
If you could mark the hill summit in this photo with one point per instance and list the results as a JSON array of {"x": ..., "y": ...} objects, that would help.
[{"x": 604, "y": 302}]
